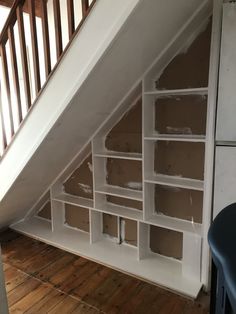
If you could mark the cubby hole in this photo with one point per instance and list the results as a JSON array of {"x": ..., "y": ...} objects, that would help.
[
  {"x": 80, "y": 183},
  {"x": 166, "y": 242},
  {"x": 179, "y": 203},
  {"x": 45, "y": 211},
  {"x": 110, "y": 226},
  {"x": 77, "y": 217},
  {"x": 126, "y": 135},
  {"x": 181, "y": 115},
  {"x": 125, "y": 202},
  {"x": 128, "y": 231},
  {"x": 124, "y": 173},
  {"x": 189, "y": 69},
  {"x": 182, "y": 159}
]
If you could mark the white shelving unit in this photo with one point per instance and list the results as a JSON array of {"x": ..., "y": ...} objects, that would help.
[{"x": 184, "y": 274}]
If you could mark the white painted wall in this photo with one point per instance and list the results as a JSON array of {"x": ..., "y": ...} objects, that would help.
[{"x": 114, "y": 48}]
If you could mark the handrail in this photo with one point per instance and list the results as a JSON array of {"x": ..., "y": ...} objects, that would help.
[{"x": 21, "y": 67}]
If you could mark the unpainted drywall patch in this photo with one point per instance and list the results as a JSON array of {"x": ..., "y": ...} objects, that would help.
[
  {"x": 45, "y": 212},
  {"x": 183, "y": 159},
  {"x": 189, "y": 69},
  {"x": 77, "y": 217},
  {"x": 80, "y": 182},
  {"x": 125, "y": 202},
  {"x": 179, "y": 203},
  {"x": 181, "y": 115},
  {"x": 126, "y": 135},
  {"x": 110, "y": 225},
  {"x": 130, "y": 231},
  {"x": 166, "y": 242}
]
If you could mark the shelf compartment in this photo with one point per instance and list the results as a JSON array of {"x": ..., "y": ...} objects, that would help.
[
  {"x": 45, "y": 211},
  {"x": 119, "y": 155},
  {"x": 120, "y": 192},
  {"x": 176, "y": 137},
  {"x": 184, "y": 204},
  {"x": 74, "y": 200},
  {"x": 179, "y": 92},
  {"x": 183, "y": 159},
  {"x": 120, "y": 211},
  {"x": 77, "y": 217},
  {"x": 175, "y": 181}
]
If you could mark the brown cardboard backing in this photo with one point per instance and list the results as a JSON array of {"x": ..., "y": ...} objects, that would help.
[
  {"x": 182, "y": 159},
  {"x": 80, "y": 182},
  {"x": 125, "y": 202},
  {"x": 110, "y": 225},
  {"x": 126, "y": 135},
  {"x": 45, "y": 212},
  {"x": 191, "y": 68},
  {"x": 166, "y": 242},
  {"x": 130, "y": 231},
  {"x": 179, "y": 203},
  {"x": 181, "y": 115},
  {"x": 77, "y": 217}
]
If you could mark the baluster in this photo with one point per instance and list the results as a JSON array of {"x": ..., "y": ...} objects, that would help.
[
  {"x": 85, "y": 6},
  {"x": 46, "y": 44},
  {"x": 7, "y": 85},
  {"x": 34, "y": 40},
  {"x": 3, "y": 127},
  {"x": 15, "y": 70},
  {"x": 57, "y": 22},
  {"x": 24, "y": 59},
  {"x": 71, "y": 17}
]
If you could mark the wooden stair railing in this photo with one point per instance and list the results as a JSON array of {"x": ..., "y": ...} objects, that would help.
[{"x": 17, "y": 95}]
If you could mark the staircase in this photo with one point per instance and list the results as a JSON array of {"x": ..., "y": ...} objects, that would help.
[{"x": 119, "y": 60}]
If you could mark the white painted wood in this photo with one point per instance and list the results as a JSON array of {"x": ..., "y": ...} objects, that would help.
[
  {"x": 175, "y": 224},
  {"x": 116, "y": 210},
  {"x": 176, "y": 137},
  {"x": 149, "y": 200},
  {"x": 39, "y": 205},
  {"x": 210, "y": 140},
  {"x": 175, "y": 92},
  {"x": 143, "y": 240},
  {"x": 226, "y": 111},
  {"x": 154, "y": 268},
  {"x": 100, "y": 171},
  {"x": 95, "y": 226},
  {"x": 119, "y": 155},
  {"x": 58, "y": 215},
  {"x": 74, "y": 200},
  {"x": 3, "y": 295},
  {"x": 192, "y": 247},
  {"x": 180, "y": 182},
  {"x": 120, "y": 192},
  {"x": 225, "y": 178}
]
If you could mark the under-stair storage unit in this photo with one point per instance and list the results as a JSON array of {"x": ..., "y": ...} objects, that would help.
[{"x": 135, "y": 197}]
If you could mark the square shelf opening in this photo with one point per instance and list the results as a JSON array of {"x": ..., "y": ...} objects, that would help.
[
  {"x": 166, "y": 242},
  {"x": 77, "y": 217},
  {"x": 181, "y": 159},
  {"x": 179, "y": 203},
  {"x": 181, "y": 115}
]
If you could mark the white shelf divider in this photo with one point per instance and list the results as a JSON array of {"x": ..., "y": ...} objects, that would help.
[
  {"x": 119, "y": 155},
  {"x": 175, "y": 181},
  {"x": 176, "y": 92},
  {"x": 176, "y": 137},
  {"x": 74, "y": 200},
  {"x": 120, "y": 192}
]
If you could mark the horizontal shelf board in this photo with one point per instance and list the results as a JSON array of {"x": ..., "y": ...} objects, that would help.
[
  {"x": 175, "y": 224},
  {"x": 121, "y": 211},
  {"x": 74, "y": 200},
  {"x": 176, "y": 137},
  {"x": 120, "y": 192},
  {"x": 154, "y": 268},
  {"x": 175, "y": 181},
  {"x": 185, "y": 91},
  {"x": 119, "y": 155}
]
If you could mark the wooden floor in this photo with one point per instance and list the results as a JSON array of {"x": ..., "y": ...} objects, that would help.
[{"x": 44, "y": 279}]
